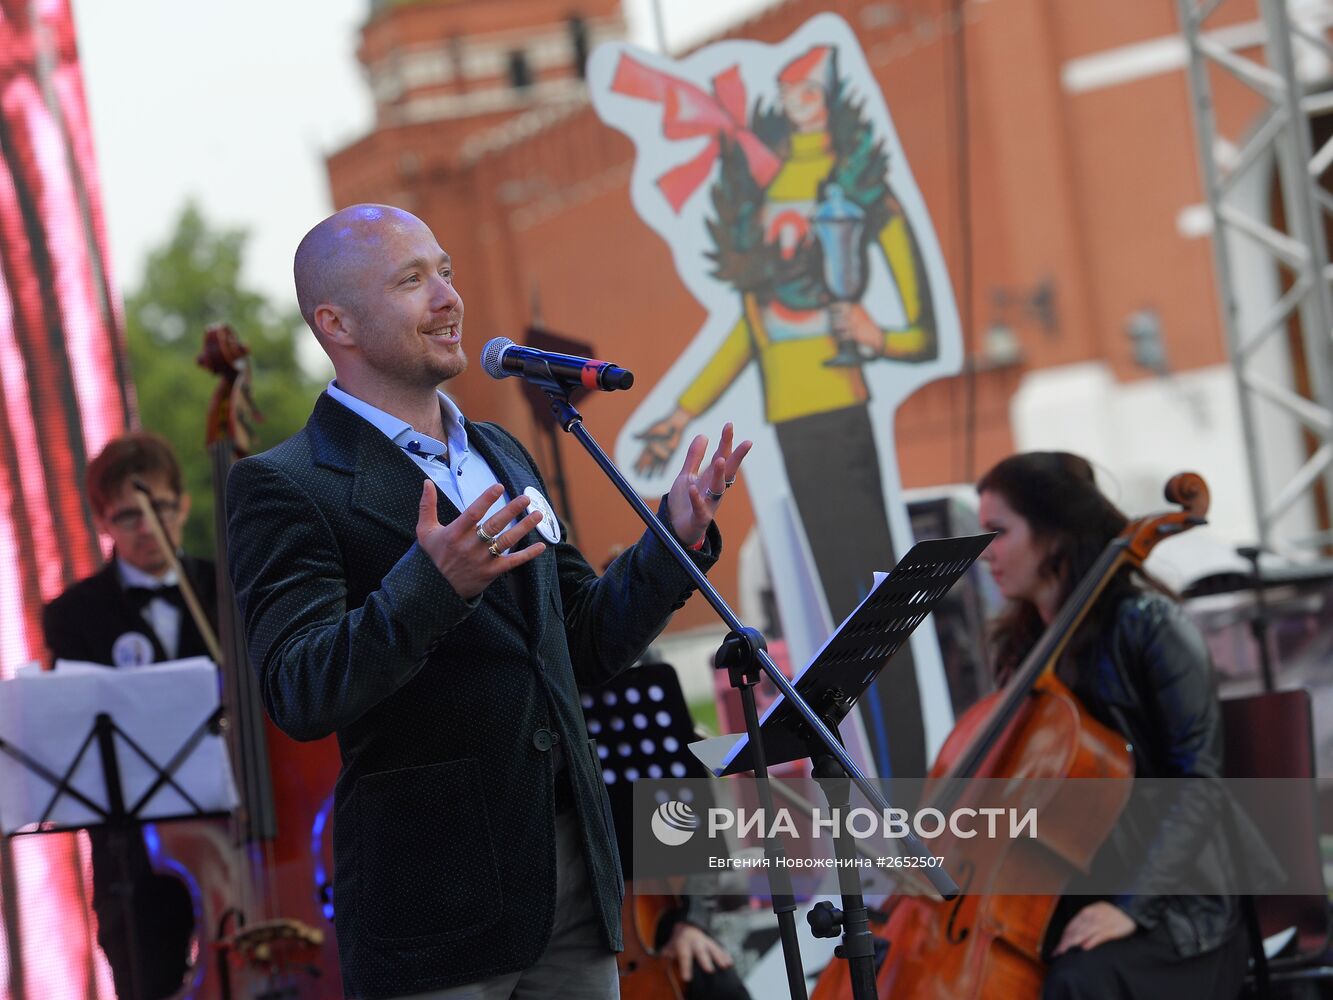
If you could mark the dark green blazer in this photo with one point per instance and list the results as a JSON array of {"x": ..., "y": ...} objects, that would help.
[{"x": 444, "y": 824}]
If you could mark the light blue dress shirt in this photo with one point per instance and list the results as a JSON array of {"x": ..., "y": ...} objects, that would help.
[{"x": 461, "y": 474}]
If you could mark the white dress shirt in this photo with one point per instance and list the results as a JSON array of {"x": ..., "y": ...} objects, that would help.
[{"x": 162, "y": 615}]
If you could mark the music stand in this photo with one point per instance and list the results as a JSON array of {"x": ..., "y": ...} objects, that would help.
[
  {"x": 743, "y": 654},
  {"x": 642, "y": 728},
  {"x": 841, "y": 671},
  {"x": 176, "y": 767},
  {"x": 850, "y": 659}
]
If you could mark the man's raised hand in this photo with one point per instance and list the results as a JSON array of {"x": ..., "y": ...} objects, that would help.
[
  {"x": 460, "y": 550},
  {"x": 698, "y": 489}
]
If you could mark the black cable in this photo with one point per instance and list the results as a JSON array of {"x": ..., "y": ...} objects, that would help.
[{"x": 963, "y": 185}]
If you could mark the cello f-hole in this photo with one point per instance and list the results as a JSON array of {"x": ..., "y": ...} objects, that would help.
[{"x": 957, "y": 935}]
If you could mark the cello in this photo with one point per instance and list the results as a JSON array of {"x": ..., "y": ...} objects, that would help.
[
  {"x": 985, "y": 944},
  {"x": 645, "y": 974},
  {"x": 277, "y": 938}
]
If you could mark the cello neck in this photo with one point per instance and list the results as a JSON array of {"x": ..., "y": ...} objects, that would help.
[{"x": 1040, "y": 660}]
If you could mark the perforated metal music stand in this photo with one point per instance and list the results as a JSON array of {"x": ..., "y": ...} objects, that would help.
[{"x": 643, "y": 729}]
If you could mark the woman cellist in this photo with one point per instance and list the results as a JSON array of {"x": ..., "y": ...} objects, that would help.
[{"x": 1140, "y": 668}]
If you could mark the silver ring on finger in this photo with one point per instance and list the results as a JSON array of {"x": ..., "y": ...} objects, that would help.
[
  {"x": 711, "y": 494},
  {"x": 494, "y": 548},
  {"x": 486, "y": 537},
  {"x": 729, "y": 483}
]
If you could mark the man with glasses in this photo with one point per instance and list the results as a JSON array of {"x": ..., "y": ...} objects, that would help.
[{"x": 130, "y": 614}]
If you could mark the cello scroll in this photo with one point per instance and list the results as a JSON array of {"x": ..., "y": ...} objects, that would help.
[{"x": 1186, "y": 489}]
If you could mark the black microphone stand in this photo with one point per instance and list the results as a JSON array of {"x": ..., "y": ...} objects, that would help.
[{"x": 744, "y": 654}]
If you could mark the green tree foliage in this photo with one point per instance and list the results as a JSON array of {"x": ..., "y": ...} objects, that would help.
[{"x": 190, "y": 282}]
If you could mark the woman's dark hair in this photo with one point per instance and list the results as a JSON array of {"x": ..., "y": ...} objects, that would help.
[{"x": 1056, "y": 494}]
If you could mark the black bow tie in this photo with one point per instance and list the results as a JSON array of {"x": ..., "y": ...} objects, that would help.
[{"x": 140, "y": 596}]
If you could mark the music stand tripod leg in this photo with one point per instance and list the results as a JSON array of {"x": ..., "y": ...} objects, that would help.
[
  {"x": 853, "y": 920},
  {"x": 738, "y": 655},
  {"x": 121, "y": 827}
]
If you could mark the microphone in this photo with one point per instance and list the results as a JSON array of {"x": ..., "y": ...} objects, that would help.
[{"x": 501, "y": 358}]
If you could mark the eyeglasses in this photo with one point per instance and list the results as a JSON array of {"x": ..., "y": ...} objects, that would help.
[{"x": 131, "y": 518}]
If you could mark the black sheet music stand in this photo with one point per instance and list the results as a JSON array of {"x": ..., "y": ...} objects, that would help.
[
  {"x": 840, "y": 673},
  {"x": 120, "y": 820},
  {"x": 854, "y": 655}
]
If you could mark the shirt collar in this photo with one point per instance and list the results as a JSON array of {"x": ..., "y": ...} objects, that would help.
[
  {"x": 401, "y": 433},
  {"x": 455, "y": 428},
  {"x": 132, "y": 576}
]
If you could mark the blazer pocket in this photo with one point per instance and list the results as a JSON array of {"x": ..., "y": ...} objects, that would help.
[{"x": 423, "y": 875}]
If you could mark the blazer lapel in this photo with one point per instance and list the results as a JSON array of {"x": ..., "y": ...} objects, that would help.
[{"x": 386, "y": 484}]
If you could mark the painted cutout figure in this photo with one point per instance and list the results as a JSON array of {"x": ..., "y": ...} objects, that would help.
[{"x": 813, "y": 251}]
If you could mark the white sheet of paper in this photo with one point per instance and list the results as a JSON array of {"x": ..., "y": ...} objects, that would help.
[{"x": 49, "y": 714}]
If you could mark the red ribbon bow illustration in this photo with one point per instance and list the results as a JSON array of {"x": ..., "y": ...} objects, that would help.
[{"x": 687, "y": 112}]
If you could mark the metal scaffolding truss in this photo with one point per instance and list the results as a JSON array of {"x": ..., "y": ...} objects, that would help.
[{"x": 1290, "y": 500}]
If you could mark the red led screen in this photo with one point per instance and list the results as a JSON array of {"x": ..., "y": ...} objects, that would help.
[{"x": 64, "y": 390}]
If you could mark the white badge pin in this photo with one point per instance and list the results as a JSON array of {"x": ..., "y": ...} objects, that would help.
[
  {"x": 548, "y": 527},
  {"x": 132, "y": 649}
]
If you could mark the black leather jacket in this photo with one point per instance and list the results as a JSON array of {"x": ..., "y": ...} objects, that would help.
[{"x": 1150, "y": 678}]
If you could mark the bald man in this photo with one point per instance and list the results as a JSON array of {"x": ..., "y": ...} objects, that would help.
[{"x": 407, "y": 585}]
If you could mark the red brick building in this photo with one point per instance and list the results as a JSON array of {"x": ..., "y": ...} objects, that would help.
[{"x": 1053, "y": 145}]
